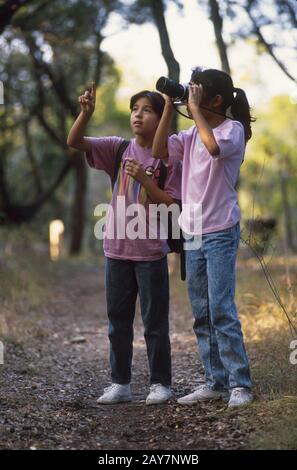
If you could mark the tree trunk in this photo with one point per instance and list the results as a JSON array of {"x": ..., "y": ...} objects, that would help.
[
  {"x": 157, "y": 7},
  {"x": 12, "y": 213},
  {"x": 8, "y": 10},
  {"x": 78, "y": 208},
  {"x": 32, "y": 159},
  {"x": 217, "y": 22},
  {"x": 269, "y": 47}
]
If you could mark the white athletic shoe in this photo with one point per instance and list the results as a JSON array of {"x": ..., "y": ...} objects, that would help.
[
  {"x": 158, "y": 394},
  {"x": 115, "y": 393},
  {"x": 240, "y": 396},
  {"x": 202, "y": 393}
]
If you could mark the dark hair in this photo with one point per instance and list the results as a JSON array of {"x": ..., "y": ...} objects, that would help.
[
  {"x": 156, "y": 99},
  {"x": 217, "y": 82}
]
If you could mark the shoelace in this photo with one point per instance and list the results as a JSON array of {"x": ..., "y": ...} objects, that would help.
[
  {"x": 201, "y": 387},
  {"x": 107, "y": 389},
  {"x": 237, "y": 392},
  {"x": 154, "y": 387}
]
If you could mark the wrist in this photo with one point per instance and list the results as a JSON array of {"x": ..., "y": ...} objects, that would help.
[
  {"x": 168, "y": 107},
  {"x": 86, "y": 115},
  {"x": 145, "y": 180},
  {"x": 195, "y": 110}
]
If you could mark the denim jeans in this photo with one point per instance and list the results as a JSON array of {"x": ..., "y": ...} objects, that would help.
[
  {"x": 211, "y": 288},
  {"x": 124, "y": 279}
]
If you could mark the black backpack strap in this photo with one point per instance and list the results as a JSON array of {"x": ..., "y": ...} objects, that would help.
[
  {"x": 182, "y": 264},
  {"x": 182, "y": 257},
  {"x": 163, "y": 175},
  {"x": 118, "y": 158},
  {"x": 178, "y": 247}
]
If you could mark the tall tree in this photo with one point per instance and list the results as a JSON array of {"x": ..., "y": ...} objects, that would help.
[
  {"x": 272, "y": 24},
  {"x": 63, "y": 51},
  {"x": 217, "y": 21},
  {"x": 142, "y": 11},
  {"x": 158, "y": 11},
  {"x": 258, "y": 20},
  {"x": 9, "y": 8}
]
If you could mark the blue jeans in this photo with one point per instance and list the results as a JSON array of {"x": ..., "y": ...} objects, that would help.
[
  {"x": 124, "y": 279},
  {"x": 211, "y": 288}
]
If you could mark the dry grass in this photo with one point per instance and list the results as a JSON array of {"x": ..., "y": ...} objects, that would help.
[
  {"x": 272, "y": 419},
  {"x": 23, "y": 292}
]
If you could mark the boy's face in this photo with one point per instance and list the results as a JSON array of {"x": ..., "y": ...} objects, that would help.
[{"x": 144, "y": 120}]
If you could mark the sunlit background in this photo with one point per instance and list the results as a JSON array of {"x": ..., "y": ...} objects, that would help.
[
  {"x": 50, "y": 51},
  {"x": 53, "y": 325}
]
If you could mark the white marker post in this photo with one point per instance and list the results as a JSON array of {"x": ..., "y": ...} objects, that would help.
[
  {"x": 56, "y": 230},
  {"x": 1, "y": 93},
  {"x": 1, "y": 353}
]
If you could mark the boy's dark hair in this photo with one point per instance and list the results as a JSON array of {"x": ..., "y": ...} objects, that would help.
[
  {"x": 217, "y": 82},
  {"x": 156, "y": 99}
]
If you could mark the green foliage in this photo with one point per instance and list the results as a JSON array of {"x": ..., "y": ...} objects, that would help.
[
  {"x": 271, "y": 155},
  {"x": 48, "y": 60}
]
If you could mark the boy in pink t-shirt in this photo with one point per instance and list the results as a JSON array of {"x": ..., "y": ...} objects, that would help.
[
  {"x": 212, "y": 152},
  {"x": 138, "y": 265}
]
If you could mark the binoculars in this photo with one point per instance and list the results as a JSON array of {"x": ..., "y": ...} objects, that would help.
[{"x": 177, "y": 91}]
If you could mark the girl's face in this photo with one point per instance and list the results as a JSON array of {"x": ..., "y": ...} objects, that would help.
[{"x": 143, "y": 120}]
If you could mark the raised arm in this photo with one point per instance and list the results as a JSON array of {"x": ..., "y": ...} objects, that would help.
[
  {"x": 76, "y": 137},
  {"x": 160, "y": 144},
  {"x": 204, "y": 129}
]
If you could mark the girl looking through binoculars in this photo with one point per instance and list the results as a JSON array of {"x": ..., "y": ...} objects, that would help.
[{"x": 212, "y": 151}]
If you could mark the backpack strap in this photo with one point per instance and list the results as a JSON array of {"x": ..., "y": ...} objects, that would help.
[
  {"x": 118, "y": 158},
  {"x": 182, "y": 264},
  {"x": 161, "y": 184},
  {"x": 163, "y": 175}
]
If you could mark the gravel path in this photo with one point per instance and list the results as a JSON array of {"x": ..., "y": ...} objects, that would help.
[{"x": 49, "y": 385}]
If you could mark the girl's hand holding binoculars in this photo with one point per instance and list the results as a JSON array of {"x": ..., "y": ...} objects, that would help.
[
  {"x": 168, "y": 100},
  {"x": 195, "y": 97},
  {"x": 87, "y": 101}
]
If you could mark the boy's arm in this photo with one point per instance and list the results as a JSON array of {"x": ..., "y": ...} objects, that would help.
[
  {"x": 157, "y": 195},
  {"x": 76, "y": 137},
  {"x": 160, "y": 144}
]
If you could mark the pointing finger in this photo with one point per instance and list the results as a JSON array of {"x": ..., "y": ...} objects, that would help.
[{"x": 94, "y": 90}]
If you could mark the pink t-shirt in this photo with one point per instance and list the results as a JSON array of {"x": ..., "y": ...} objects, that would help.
[
  {"x": 209, "y": 181},
  {"x": 102, "y": 157}
]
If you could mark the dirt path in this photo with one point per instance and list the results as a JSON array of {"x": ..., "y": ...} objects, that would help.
[{"x": 49, "y": 386}]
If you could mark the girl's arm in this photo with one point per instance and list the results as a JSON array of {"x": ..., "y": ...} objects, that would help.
[
  {"x": 157, "y": 195},
  {"x": 160, "y": 144},
  {"x": 204, "y": 129},
  {"x": 76, "y": 137}
]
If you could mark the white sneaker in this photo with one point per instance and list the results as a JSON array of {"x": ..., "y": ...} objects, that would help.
[
  {"x": 158, "y": 394},
  {"x": 202, "y": 393},
  {"x": 240, "y": 396},
  {"x": 115, "y": 393}
]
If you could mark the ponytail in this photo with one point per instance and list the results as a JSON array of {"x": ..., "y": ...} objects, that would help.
[
  {"x": 216, "y": 82},
  {"x": 240, "y": 110}
]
